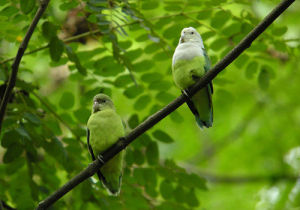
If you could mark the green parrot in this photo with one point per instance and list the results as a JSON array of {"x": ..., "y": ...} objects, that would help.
[
  {"x": 104, "y": 128},
  {"x": 191, "y": 62}
]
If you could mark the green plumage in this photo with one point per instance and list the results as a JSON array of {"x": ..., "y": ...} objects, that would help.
[{"x": 105, "y": 128}]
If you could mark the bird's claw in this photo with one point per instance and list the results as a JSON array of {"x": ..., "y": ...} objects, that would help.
[
  {"x": 100, "y": 158},
  {"x": 186, "y": 93}
]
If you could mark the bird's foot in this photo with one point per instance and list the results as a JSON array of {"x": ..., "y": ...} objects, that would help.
[
  {"x": 186, "y": 93},
  {"x": 100, "y": 158}
]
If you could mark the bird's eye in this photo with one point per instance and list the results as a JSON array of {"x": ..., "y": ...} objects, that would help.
[
  {"x": 192, "y": 32},
  {"x": 101, "y": 101}
]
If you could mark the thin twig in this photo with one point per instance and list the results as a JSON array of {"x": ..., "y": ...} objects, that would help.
[
  {"x": 73, "y": 38},
  {"x": 16, "y": 63},
  {"x": 53, "y": 112},
  {"x": 155, "y": 118}
]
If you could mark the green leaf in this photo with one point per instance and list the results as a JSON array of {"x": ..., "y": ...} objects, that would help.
[
  {"x": 232, "y": 29},
  {"x": 82, "y": 115},
  {"x": 150, "y": 5},
  {"x": 133, "y": 91},
  {"x": 139, "y": 176},
  {"x": 9, "y": 138},
  {"x": 165, "y": 97},
  {"x": 139, "y": 157},
  {"x": 220, "y": 18},
  {"x": 251, "y": 69},
  {"x": 142, "y": 102},
  {"x": 123, "y": 80},
  {"x": 176, "y": 117},
  {"x": 22, "y": 132},
  {"x": 160, "y": 85},
  {"x": 179, "y": 193},
  {"x": 170, "y": 31},
  {"x": 152, "y": 153},
  {"x": 32, "y": 118},
  {"x": 279, "y": 31},
  {"x": 65, "y": 6},
  {"x": 205, "y": 14},
  {"x": 162, "y": 136},
  {"x": 151, "y": 77},
  {"x": 207, "y": 35},
  {"x": 107, "y": 66},
  {"x": 142, "y": 38},
  {"x": 125, "y": 44},
  {"x": 218, "y": 44},
  {"x": 129, "y": 159},
  {"x": 12, "y": 153},
  {"x": 173, "y": 7},
  {"x": 73, "y": 57},
  {"x": 197, "y": 181},
  {"x": 151, "y": 48},
  {"x": 55, "y": 148},
  {"x": 133, "y": 121},
  {"x": 48, "y": 29},
  {"x": 27, "y": 6},
  {"x": 166, "y": 189},
  {"x": 67, "y": 100},
  {"x": 134, "y": 54},
  {"x": 161, "y": 56},
  {"x": 56, "y": 48},
  {"x": 264, "y": 79},
  {"x": 144, "y": 65},
  {"x": 241, "y": 61},
  {"x": 191, "y": 198}
]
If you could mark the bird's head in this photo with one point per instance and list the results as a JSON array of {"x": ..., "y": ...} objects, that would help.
[
  {"x": 190, "y": 34},
  {"x": 102, "y": 102}
]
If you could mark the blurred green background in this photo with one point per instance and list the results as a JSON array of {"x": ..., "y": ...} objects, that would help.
[{"x": 249, "y": 159}]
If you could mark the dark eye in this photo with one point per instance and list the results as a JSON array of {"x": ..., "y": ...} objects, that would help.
[
  {"x": 101, "y": 101},
  {"x": 192, "y": 32}
]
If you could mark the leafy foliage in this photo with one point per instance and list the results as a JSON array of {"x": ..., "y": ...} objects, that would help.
[{"x": 124, "y": 49}]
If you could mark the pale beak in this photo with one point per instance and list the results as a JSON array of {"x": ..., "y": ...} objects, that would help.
[
  {"x": 95, "y": 105},
  {"x": 182, "y": 39}
]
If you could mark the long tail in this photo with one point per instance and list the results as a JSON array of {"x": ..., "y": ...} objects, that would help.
[
  {"x": 113, "y": 184},
  {"x": 201, "y": 106},
  {"x": 112, "y": 174}
]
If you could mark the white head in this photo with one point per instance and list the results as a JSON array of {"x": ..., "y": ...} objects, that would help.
[{"x": 190, "y": 34}]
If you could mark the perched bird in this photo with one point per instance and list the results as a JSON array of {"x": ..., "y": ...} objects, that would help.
[
  {"x": 104, "y": 129},
  {"x": 190, "y": 62}
]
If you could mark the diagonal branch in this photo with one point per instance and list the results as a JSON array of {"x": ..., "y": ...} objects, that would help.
[
  {"x": 16, "y": 63},
  {"x": 155, "y": 118}
]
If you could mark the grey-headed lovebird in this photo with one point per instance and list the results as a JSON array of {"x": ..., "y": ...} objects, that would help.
[
  {"x": 105, "y": 127},
  {"x": 191, "y": 62}
]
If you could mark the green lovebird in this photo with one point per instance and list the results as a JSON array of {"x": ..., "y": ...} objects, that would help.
[
  {"x": 190, "y": 62},
  {"x": 105, "y": 127}
]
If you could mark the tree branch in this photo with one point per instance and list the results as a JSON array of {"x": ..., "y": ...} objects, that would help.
[
  {"x": 155, "y": 118},
  {"x": 16, "y": 63}
]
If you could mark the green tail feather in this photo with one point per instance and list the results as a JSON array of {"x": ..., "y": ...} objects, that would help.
[
  {"x": 112, "y": 183},
  {"x": 203, "y": 104}
]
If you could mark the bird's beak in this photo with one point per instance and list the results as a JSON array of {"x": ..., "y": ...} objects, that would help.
[
  {"x": 96, "y": 106},
  {"x": 182, "y": 39}
]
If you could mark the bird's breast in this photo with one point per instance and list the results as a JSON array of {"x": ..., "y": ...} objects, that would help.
[{"x": 187, "y": 51}]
